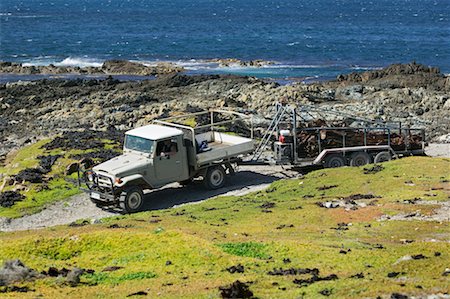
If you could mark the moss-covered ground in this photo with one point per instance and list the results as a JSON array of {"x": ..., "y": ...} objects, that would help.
[{"x": 185, "y": 251}]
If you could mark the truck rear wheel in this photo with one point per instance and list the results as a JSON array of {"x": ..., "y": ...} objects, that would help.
[
  {"x": 131, "y": 200},
  {"x": 333, "y": 161},
  {"x": 359, "y": 159},
  {"x": 382, "y": 157},
  {"x": 215, "y": 177}
]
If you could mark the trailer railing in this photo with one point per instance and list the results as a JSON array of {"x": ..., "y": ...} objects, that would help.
[{"x": 174, "y": 121}]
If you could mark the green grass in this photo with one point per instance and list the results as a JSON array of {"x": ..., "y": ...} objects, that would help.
[
  {"x": 57, "y": 186},
  {"x": 102, "y": 277},
  {"x": 250, "y": 249},
  {"x": 186, "y": 253}
]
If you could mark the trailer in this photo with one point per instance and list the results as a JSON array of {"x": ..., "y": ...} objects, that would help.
[{"x": 293, "y": 142}]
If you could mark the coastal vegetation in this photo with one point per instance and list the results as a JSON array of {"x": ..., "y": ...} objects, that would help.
[{"x": 385, "y": 234}]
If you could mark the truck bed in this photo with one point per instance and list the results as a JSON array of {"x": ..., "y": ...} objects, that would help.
[{"x": 222, "y": 146}]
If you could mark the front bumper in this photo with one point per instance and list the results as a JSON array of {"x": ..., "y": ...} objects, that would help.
[{"x": 100, "y": 187}]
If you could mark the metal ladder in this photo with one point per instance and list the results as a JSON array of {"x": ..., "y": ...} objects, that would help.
[{"x": 280, "y": 111}]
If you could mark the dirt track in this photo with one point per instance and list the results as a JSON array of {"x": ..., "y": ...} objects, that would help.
[{"x": 247, "y": 179}]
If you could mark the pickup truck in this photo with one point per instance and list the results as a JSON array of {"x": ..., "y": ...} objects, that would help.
[{"x": 166, "y": 152}]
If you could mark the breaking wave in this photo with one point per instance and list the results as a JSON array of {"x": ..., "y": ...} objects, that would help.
[{"x": 80, "y": 62}]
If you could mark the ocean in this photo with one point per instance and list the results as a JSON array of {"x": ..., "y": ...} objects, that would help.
[{"x": 306, "y": 38}]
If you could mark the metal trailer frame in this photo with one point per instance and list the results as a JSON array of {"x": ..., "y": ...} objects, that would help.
[{"x": 283, "y": 111}]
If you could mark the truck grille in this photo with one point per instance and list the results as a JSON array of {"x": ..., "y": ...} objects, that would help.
[{"x": 104, "y": 181}]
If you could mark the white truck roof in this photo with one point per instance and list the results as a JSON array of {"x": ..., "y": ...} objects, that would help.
[{"x": 154, "y": 132}]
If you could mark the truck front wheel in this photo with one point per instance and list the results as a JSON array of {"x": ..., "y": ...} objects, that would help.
[
  {"x": 131, "y": 200},
  {"x": 215, "y": 177}
]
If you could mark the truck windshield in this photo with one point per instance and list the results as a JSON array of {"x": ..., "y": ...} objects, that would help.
[{"x": 138, "y": 144}]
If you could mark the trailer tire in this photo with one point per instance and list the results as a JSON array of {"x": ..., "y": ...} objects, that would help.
[
  {"x": 131, "y": 200},
  {"x": 382, "y": 157},
  {"x": 333, "y": 161},
  {"x": 214, "y": 177},
  {"x": 359, "y": 159}
]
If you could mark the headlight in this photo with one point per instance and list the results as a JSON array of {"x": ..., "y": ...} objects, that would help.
[
  {"x": 90, "y": 176},
  {"x": 118, "y": 181}
]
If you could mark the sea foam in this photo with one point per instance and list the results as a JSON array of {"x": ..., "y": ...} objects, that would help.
[{"x": 80, "y": 62}]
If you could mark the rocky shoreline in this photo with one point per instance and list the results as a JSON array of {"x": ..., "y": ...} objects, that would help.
[
  {"x": 411, "y": 93},
  {"x": 120, "y": 67},
  {"x": 109, "y": 67}
]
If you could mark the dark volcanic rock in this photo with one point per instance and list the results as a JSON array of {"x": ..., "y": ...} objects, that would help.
[
  {"x": 325, "y": 292},
  {"x": 373, "y": 169},
  {"x": 32, "y": 175},
  {"x": 294, "y": 271},
  {"x": 9, "y": 198},
  {"x": 418, "y": 257},
  {"x": 139, "y": 293},
  {"x": 267, "y": 205},
  {"x": 35, "y": 175},
  {"x": 326, "y": 187},
  {"x": 55, "y": 272},
  {"x": 236, "y": 290},
  {"x": 394, "y": 274},
  {"x": 84, "y": 140},
  {"x": 359, "y": 196},
  {"x": 398, "y": 296},
  {"x": 79, "y": 224},
  {"x": 46, "y": 162},
  {"x": 15, "y": 289},
  {"x": 358, "y": 275},
  {"x": 100, "y": 156},
  {"x": 236, "y": 269},
  {"x": 313, "y": 279},
  {"x": 400, "y": 75}
]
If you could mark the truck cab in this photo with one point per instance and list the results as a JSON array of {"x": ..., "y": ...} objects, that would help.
[{"x": 153, "y": 156}]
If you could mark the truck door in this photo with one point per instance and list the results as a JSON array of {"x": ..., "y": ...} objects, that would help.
[{"x": 168, "y": 161}]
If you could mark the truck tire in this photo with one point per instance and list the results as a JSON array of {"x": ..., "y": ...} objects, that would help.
[
  {"x": 359, "y": 159},
  {"x": 334, "y": 160},
  {"x": 214, "y": 178},
  {"x": 382, "y": 157},
  {"x": 131, "y": 200},
  {"x": 185, "y": 182}
]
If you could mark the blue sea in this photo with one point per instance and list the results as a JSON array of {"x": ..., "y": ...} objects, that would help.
[{"x": 306, "y": 38}]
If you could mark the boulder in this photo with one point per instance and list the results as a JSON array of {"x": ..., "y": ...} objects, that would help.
[{"x": 15, "y": 271}]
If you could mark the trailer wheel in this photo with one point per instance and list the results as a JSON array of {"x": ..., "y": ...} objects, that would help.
[
  {"x": 131, "y": 200},
  {"x": 382, "y": 157},
  {"x": 215, "y": 177},
  {"x": 359, "y": 159},
  {"x": 333, "y": 161}
]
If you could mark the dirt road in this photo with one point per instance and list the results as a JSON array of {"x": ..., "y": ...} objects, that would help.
[{"x": 247, "y": 179}]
